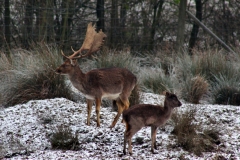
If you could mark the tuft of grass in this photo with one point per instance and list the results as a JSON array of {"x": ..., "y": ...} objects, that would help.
[
  {"x": 155, "y": 81},
  {"x": 30, "y": 75},
  {"x": 187, "y": 133},
  {"x": 193, "y": 89},
  {"x": 135, "y": 96},
  {"x": 226, "y": 91},
  {"x": 208, "y": 64},
  {"x": 64, "y": 139},
  {"x": 123, "y": 60}
]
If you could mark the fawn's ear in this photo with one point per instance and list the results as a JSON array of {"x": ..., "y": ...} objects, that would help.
[{"x": 166, "y": 93}]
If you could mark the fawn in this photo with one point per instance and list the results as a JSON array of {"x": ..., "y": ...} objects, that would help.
[
  {"x": 142, "y": 115},
  {"x": 112, "y": 83}
]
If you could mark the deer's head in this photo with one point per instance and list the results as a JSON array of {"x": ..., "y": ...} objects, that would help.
[{"x": 92, "y": 43}]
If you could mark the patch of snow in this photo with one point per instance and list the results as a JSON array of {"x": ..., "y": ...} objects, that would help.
[{"x": 23, "y": 131}]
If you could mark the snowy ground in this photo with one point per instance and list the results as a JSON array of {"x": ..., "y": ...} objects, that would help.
[{"x": 25, "y": 135}]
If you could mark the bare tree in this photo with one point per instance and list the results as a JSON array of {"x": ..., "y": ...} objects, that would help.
[
  {"x": 114, "y": 31},
  {"x": 7, "y": 20},
  {"x": 181, "y": 25},
  {"x": 100, "y": 15},
  {"x": 195, "y": 28}
]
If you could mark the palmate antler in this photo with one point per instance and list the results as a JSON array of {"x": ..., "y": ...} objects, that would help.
[{"x": 92, "y": 42}]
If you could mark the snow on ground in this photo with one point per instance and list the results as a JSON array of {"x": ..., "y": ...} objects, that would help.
[{"x": 25, "y": 135}]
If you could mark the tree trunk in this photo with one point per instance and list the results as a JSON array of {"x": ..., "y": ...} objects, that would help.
[
  {"x": 7, "y": 20},
  {"x": 157, "y": 9},
  {"x": 123, "y": 16},
  {"x": 195, "y": 28},
  {"x": 100, "y": 15},
  {"x": 114, "y": 24},
  {"x": 27, "y": 33},
  {"x": 181, "y": 26},
  {"x": 66, "y": 21}
]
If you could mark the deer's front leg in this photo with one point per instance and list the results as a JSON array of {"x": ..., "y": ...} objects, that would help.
[
  {"x": 153, "y": 137},
  {"x": 89, "y": 110},
  {"x": 98, "y": 105}
]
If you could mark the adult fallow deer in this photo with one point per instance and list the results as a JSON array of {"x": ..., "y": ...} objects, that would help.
[{"x": 111, "y": 83}]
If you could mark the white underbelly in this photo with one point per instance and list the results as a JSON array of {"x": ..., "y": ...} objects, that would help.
[
  {"x": 104, "y": 96},
  {"x": 111, "y": 96}
]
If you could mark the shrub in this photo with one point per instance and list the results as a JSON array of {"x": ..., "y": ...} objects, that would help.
[
  {"x": 30, "y": 75},
  {"x": 206, "y": 64},
  {"x": 155, "y": 81},
  {"x": 64, "y": 139},
  {"x": 226, "y": 91},
  {"x": 135, "y": 96},
  {"x": 193, "y": 89},
  {"x": 187, "y": 133},
  {"x": 123, "y": 60}
]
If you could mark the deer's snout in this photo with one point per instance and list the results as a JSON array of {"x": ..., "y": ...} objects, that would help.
[
  {"x": 179, "y": 104},
  {"x": 58, "y": 71}
]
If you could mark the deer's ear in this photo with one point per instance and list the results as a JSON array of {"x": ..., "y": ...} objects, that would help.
[
  {"x": 73, "y": 62},
  {"x": 166, "y": 93}
]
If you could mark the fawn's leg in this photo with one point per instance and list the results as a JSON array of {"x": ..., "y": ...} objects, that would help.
[
  {"x": 89, "y": 110},
  {"x": 153, "y": 137},
  {"x": 133, "y": 129}
]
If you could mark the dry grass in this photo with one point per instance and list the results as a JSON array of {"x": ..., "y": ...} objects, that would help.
[
  {"x": 194, "y": 89},
  {"x": 64, "y": 139},
  {"x": 28, "y": 75},
  {"x": 189, "y": 136}
]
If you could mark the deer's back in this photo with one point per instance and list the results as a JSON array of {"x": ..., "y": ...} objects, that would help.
[
  {"x": 110, "y": 76},
  {"x": 109, "y": 82},
  {"x": 144, "y": 114}
]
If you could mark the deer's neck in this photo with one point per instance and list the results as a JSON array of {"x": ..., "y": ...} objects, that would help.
[
  {"x": 77, "y": 77},
  {"x": 168, "y": 110}
]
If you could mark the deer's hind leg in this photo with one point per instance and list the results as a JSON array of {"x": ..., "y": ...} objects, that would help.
[
  {"x": 122, "y": 105},
  {"x": 98, "y": 105}
]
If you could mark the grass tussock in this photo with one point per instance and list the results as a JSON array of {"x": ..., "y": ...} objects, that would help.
[
  {"x": 64, "y": 139},
  {"x": 226, "y": 91},
  {"x": 135, "y": 96},
  {"x": 211, "y": 65},
  {"x": 188, "y": 133},
  {"x": 155, "y": 81},
  {"x": 28, "y": 75},
  {"x": 206, "y": 64},
  {"x": 194, "y": 89},
  {"x": 112, "y": 59}
]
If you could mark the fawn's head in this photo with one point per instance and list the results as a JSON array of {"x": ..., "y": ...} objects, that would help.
[
  {"x": 92, "y": 43},
  {"x": 171, "y": 100}
]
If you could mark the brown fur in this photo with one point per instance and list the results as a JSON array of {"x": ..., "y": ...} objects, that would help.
[
  {"x": 112, "y": 83},
  {"x": 142, "y": 115}
]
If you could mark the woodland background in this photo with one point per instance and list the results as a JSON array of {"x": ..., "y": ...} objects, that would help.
[{"x": 136, "y": 25}]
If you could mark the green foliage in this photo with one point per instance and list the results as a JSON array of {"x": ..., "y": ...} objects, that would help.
[
  {"x": 28, "y": 75},
  {"x": 64, "y": 139}
]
